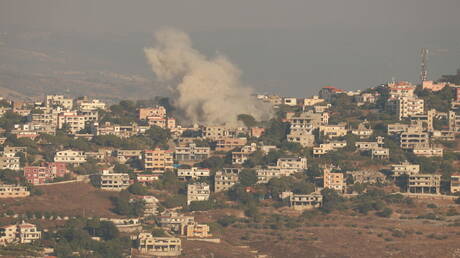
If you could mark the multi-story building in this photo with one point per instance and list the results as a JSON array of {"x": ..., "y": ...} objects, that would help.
[
  {"x": 89, "y": 105},
  {"x": 174, "y": 222},
  {"x": 197, "y": 192},
  {"x": 45, "y": 173},
  {"x": 296, "y": 163},
  {"x": 192, "y": 173},
  {"x": 192, "y": 153},
  {"x": 224, "y": 180},
  {"x": 227, "y": 143},
  {"x": 305, "y": 201},
  {"x": 146, "y": 113},
  {"x": 264, "y": 175},
  {"x": 312, "y": 101},
  {"x": 158, "y": 246},
  {"x": 428, "y": 151},
  {"x": 401, "y": 89},
  {"x": 125, "y": 155},
  {"x": 123, "y": 131},
  {"x": 158, "y": 160},
  {"x": 407, "y": 107},
  {"x": 22, "y": 233},
  {"x": 10, "y": 162},
  {"x": 302, "y": 136},
  {"x": 196, "y": 230},
  {"x": 413, "y": 138},
  {"x": 455, "y": 183},
  {"x": 366, "y": 146},
  {"x": 52, "y": 101},
  {"x": 13, "y": 191},
  {"x": 424, "y": 184},
  {"x": 333, "y": 180},
  {"x": 308, "y": 120},
  {"x": 70, "y": 156},
  {"x": 328, "y": 92},
  {"x": 113, "y": 181},
  {"x": 397, "y": 128},
  {"x": 405, "y": 168},
  {"x": 364, "y": 130},
  {"x": 239, "y": 157},
  {"x": 332, "y": 131},
  {"x": 366, "y": 176},
  {"x": 324, "y": 148},
  {"x": 215, "y": 132}
]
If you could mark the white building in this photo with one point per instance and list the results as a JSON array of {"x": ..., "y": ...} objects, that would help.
[
  {"x": 192, "y": 173},
  {"x": 70, "y": 156}
]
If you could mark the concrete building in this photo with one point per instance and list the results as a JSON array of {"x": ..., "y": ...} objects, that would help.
[
  {"x": 264, "y": 175},
  {"x": 70, "y": 156},
  {"x": 308, "y": 120},
  {"x": 302, "y": 136},
  {"x": 158, "y": 160},
  {"x": 52, "y": 101},
  {"x": 8, "y": 162},
  {"x": 455, "y": 183},
  {"x": 159, "y": 246},
  {"x": 312, "y": 101},
  {"x": 413, "y": 138},
  {"x": 397, "y": 128},
  {"x": 364, "y": 130},
  {"x": 239, "y": 157},
  {"x": 197, "y": 192},
  {"x": 407, "y": 107},
  {"x": 333, "y": 131},
  {"x": 380, "y": 153},
  {"x": 297, "y": 164},
  {"x": 405, "y": 168},
  {"x": 22, "y": 233},
  {"x": 227, "y": 143},
  {"x": 174, "y": 221},
  {"x": 366, "y": 176},
  {"x": 89, "y": 104},
  {"x": 333, "y": 180},
  {"x": 401, "y": 89},
  {"x": 366, "y": 146},
  {"x": 113, "y": 181},
  {"x": 324, "y": 148},
  {"x": 193, "y": 173},
  {"x": 305, "y": 201},
  {"x": 192, "y": 153},
  {"x": 125, "y": 155},
  {"x": 13, "y": 191},
  {"x": 424, "y": 184},
  {"x": 328, "y": 92},
  {"x": 196, "y": 230},
  {"x": 146, "y": 113},
  {"x": 45, "y": 173},
  {"x": 428, "y": 151},
  {"x": 224, "y": 180},
  {"x": 215, "y": 132}
]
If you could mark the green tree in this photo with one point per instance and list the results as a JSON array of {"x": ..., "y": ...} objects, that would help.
[{"x": 247, "y": 177}]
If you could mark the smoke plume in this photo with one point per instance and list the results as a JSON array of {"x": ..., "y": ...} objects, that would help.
[{"x": 206, "y": 90}]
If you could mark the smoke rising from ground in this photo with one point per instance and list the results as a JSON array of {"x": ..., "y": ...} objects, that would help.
[{"x": 206, "y": 90}]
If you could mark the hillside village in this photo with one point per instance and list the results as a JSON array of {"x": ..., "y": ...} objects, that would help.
[{"x": 82, "y": 178}]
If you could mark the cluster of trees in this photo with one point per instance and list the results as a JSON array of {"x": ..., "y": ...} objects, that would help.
[
  {"x": 76, "y": 235},
  {"x": 123, "y": 205}
]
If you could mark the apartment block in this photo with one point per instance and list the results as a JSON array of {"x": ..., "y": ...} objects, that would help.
[
  {"x": 158, "y": 160},
  {"x": 197, "y": 192},
  {"x": 70, "y": 156},
  {"x": 52, "y": 101},
  {"x": 333, "y": 180},
  {"x": 113, "y": 181},
  {"x": 424, "y": 184},
  {"x": 407, "y": 107},
  {"x": 227, "y": 144},
  {"x": 224, "y": 180},
  {"x": 413, "y": 138},
  {"x": 428, "y": 151},
  {"x": 380, "y": 153},
  {"x": 264, "y": 175},
  {"x": 45, "y": 173},
  {"x": 295, "y": 163},
  {"x": 89, "y": 104},
  {"x": 333, "y": 131},
  {"x": 192, "y": 173},
  {"x": 302, "y": 136},
  {"x": 215, "y": 132},
  {"x": 8, "y": 162},
  {"x": 405, "y": 168},
  {"x": 196, "y": 230},
  {"x": 192, "y": 153},
  {"x": 146, "y": 113}
]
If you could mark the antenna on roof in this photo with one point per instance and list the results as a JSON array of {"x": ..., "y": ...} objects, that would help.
[{"x": 423, "y": 66}]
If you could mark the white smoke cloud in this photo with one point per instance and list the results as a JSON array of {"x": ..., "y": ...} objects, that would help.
[{"x": 206, "y": 90}]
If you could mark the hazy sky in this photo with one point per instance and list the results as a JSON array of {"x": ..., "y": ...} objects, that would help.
[{"x": 289, "y": 47}]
